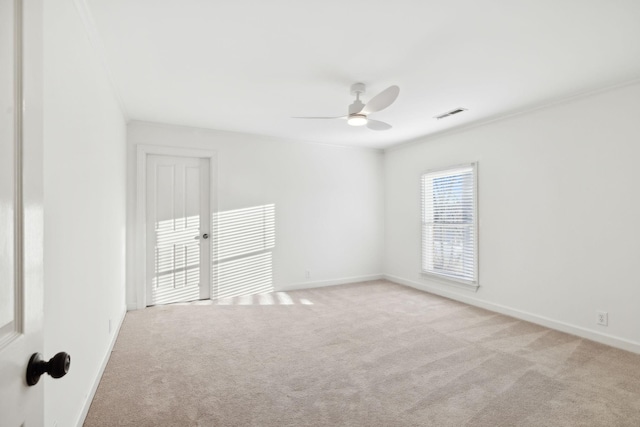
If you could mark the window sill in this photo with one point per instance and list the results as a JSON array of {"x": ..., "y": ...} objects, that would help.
[{"x": 450, "y": 281}]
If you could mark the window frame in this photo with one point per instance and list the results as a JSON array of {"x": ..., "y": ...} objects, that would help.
[{"x": 444, "y": 278}]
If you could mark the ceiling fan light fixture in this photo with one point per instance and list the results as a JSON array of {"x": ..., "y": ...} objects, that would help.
[
  {"x": 358, "y": 110},
  {"x": 357, "y": 120}
]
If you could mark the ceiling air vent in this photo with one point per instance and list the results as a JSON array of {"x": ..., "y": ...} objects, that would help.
[{"x": 450, "y": 113}]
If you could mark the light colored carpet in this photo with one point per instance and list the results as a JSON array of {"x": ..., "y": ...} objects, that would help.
[{"x": 367, "y": 354}]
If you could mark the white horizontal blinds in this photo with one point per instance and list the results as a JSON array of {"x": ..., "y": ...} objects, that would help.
[{"x": 449, "y": 223}]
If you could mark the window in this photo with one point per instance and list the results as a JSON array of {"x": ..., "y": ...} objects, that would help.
[{"x": 449, "y": 224}]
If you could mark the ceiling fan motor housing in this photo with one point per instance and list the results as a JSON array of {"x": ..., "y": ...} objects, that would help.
[
  {"x": 356, "y": 107},
  {"x": 357, "y": 89}
]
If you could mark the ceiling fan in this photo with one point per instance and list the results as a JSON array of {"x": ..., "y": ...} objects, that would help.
[{"x": 359, "y": 112}]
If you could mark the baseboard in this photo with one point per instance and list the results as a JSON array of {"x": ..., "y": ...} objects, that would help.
[
  {"x": 613, "y": 341},
  {"x": 334, "y": 282},
  {"x": 96, "y": 383},
  {"x": 132, "y": 306}
]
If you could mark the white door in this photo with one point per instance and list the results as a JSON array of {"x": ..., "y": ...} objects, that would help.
[
  {"x": 178, "y": 229},
  {"x": 20, "y": 209}
]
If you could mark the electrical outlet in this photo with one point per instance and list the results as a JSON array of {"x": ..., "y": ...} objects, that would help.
[
  {"x": 602, "y": 318},
  {"x": 307, "y": 274}
]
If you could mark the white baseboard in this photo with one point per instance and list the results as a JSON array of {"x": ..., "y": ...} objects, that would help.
[
  {"x": 132, "y": 306},
  {"x": 96, "y": 382},
  {"x": 592, "y": 335},
  {"x": 334, "y": 282}
]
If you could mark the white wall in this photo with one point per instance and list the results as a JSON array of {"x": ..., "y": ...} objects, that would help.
[
  {"x": 84, "y": 211},
  {"x": 328, "y": 200},
  {"x": 558, "y": 205}
]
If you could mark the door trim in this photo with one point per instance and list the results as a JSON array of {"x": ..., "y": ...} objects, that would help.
[{"x": 142, "y": 153}]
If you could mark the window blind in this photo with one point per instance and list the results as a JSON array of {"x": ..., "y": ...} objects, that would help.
[{"x": 449, "y": 218}]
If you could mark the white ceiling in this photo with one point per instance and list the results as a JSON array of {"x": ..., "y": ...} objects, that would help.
[{"x": 249, "y": 65}]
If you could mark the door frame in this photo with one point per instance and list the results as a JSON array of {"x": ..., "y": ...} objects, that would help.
[{"x": 142, "y": 153}]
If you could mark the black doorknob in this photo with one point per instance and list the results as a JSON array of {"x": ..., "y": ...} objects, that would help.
[{"x": 57, "y": 367}]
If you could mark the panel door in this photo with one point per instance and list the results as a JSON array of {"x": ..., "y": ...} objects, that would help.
[
  {"x": 178, "y": 229},
  {"x": 21, "y": 267}
]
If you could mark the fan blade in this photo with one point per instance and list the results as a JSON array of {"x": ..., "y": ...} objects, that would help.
[
  {"x": 378, "y": 125},
  {"x": 381, "y": 100},
  {"x": 339, "y": 117}
]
